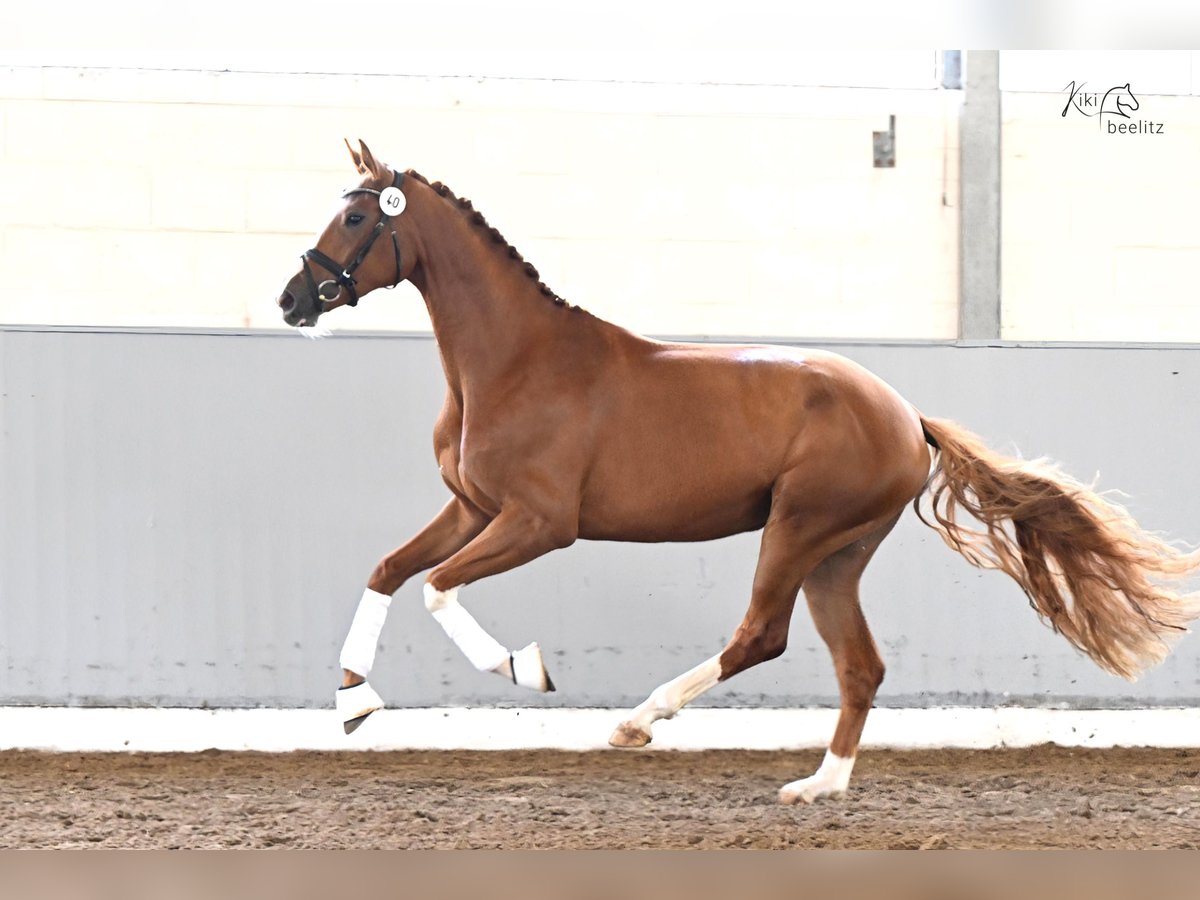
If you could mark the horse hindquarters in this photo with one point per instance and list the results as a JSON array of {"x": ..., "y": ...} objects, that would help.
[{"x": 859, "y": 461}]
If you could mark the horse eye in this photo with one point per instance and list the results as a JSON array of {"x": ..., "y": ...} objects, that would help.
[{"x": 354, "y": 219}]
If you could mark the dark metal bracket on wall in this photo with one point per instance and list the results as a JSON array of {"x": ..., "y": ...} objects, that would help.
[
  {"x": 884, "y": 143},
  {"x": 950, "y": 76}
]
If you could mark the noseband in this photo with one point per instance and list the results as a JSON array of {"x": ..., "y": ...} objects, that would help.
[{"x": 344, "y": 275}]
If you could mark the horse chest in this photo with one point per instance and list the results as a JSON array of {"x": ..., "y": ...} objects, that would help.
[{"x": 465, "y": 475}]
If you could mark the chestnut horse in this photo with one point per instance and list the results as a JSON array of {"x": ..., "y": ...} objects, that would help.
[{"x": 559, "y": 426}]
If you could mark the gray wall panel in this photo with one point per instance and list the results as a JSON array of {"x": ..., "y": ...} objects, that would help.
[{"x": 189, "y": 520}]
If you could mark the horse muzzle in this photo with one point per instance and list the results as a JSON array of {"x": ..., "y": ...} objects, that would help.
[{"x": 297, "y": 304}]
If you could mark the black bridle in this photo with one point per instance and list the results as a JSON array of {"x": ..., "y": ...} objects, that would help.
[{"x": 344, "y": 275}]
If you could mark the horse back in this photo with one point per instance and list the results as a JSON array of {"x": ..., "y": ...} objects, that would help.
[{"x": 690, "y": 440}]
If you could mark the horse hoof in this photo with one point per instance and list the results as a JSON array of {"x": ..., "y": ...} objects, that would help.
[
  {"x": 791, "y": 794},
  {"x": 355, "y": 703},
  {"x": 629, "y": 735},
  {"x": 529, "y": 670},
  {"x": 791, "y": 798}
]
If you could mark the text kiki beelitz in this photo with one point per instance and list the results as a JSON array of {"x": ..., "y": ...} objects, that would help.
[{"x": 1113, "y": 107}]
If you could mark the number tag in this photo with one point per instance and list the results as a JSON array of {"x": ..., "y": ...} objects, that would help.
[{"x": 391, "y": 201}]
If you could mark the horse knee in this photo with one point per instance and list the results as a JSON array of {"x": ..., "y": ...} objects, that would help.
[{"x": 386, "y": 578}]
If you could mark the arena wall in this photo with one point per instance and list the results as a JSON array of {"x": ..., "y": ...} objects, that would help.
[
  {"x": 189, "y": 519},
  {"x": 191, "y": 498}
]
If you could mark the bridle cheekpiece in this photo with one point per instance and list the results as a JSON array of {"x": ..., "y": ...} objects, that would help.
[{"x": 391, "y": 204}]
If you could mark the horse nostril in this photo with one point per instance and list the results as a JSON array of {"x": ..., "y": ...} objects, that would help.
[{"x": 287, "y": 302}]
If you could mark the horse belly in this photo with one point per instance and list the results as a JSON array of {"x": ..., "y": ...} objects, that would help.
[
  {"x": 692, "y": 458},
  {"x": 666, "y": 507}
]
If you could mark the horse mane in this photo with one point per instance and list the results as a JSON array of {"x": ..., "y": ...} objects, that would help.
[{"x": 476, "y": 218}]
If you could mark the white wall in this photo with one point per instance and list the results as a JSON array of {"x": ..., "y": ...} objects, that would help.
[
  {"x": 140, "y": 197},
  {"x": 182, "y": 197},
  {"x": 1100, "y": 232}
]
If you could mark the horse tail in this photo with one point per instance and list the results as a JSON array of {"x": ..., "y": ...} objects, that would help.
[{"x": 1089, "y": 570}]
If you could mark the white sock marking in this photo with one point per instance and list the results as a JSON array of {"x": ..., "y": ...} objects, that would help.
[
  {"x": 830, "y": 780},
  {"x": 667, "y": 699}
]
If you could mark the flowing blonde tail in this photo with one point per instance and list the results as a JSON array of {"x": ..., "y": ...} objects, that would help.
[{"x": 1089, "y": 570}]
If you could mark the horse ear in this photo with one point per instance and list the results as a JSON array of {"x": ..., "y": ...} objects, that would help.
[
  {"x": 368, "y": 161},
  {"x": 358, "y": 161}
]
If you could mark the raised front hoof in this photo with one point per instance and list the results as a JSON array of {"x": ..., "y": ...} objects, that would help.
[
  {"x": 629, "y": 736},
  {"x": 355, "y": 703},
  {"x": 807, "y": 791},
  {"x": 351, "y": 725},
  {"x": 528, "y": 669}
]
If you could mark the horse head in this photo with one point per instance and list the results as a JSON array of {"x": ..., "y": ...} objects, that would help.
[{"x": 359, "y": 250}]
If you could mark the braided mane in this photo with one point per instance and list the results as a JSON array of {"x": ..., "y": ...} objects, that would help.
[{"x": 476, "y": 218}]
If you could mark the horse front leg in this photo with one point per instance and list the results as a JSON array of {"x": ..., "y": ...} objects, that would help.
[
  {"x": 449, "y": 531},
  {"x": 513, "y": 538}
]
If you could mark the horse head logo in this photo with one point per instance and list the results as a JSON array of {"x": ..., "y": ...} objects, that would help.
[{"x": 1119, "y": 101}]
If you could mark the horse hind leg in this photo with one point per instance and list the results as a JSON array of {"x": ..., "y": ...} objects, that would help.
[
  {"x": 832, "y": 594},
  {"x": 761, "y": 636}
]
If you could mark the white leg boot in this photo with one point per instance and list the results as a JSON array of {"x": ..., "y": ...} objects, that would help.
[
  {"x": 355, "y": 703},
  {"x": 485, "y": 653}
]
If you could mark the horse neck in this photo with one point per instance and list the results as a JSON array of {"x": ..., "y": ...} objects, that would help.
[{"x": 487, "y": 314}]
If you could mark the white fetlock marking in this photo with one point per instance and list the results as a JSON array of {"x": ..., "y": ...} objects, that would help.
[
  {"x": 830, "y": 780},
  {"x": 528, "y": 670},
  {"x": 356, "y": 701},
  {"x": 667, "y": 699},
  {"x": 358, "y": 651},
  {"x": 482, "y": 650}
]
